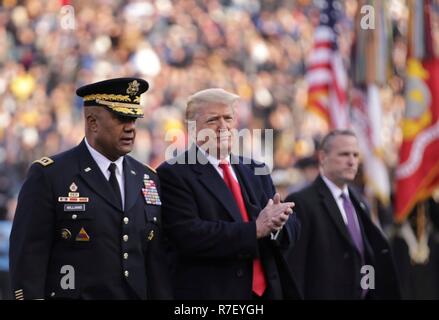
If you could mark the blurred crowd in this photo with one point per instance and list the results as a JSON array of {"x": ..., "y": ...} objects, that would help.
[{"x": 257, "y": 49}]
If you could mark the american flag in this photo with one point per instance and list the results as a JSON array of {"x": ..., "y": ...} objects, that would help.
[{"x": 326, "y": 75}]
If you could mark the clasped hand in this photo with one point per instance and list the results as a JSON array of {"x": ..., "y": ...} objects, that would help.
[{"x": 273, "y": 217}]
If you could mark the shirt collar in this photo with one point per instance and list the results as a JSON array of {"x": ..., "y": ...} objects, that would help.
[
  {"x": 212, "y": 160},
  {"x": 102, "y": 161},
  {"x": 335, "y": 190}
]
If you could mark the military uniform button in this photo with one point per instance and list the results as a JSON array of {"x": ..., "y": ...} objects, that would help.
[
  {"x": 125, "y": 256},
  {"x": 74, "y": 216},
  {"x": 154, "y": 219},
  {"x": 126, "y": 273},
  {"x": 52, "y": 294},
  {"x": 126, "y": 220},
  {"x": 125, "y": 238}
]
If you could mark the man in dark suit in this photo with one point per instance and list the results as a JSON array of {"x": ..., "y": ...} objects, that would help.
[
  {"x": 341, "y": 254},
  {"x": 88, "y": 221},
  {"x": 222, "y": 214}
]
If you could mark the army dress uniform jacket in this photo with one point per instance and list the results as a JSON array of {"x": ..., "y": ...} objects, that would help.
[{"x": 88, "y": 247}]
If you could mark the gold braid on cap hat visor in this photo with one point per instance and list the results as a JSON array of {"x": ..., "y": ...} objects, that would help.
[
  {"x": 111, "y": 97},
  {"x": 125, "y": 108},
  {"x": 113, "y": 102},
  {"x": 128, "y": 110}
]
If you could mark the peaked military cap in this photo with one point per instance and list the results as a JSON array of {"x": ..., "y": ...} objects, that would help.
[{"x": 120, "y": 95}]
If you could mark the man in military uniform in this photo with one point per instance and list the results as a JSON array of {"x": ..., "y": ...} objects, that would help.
[{"x": 88, "y": 220}]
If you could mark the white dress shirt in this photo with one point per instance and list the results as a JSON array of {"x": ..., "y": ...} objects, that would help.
[
  {"x": 336, "y": 194},
  {"x": 215, "y": 163},
  {"x": 103, "y": 164}
]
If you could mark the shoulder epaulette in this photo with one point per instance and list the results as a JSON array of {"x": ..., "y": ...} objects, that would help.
[
  {"x": 44, "y": 161},
  {"x": 150, "y": 168}
]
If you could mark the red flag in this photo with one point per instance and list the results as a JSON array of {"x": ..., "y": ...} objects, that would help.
[{"x": 417, "y": 174}]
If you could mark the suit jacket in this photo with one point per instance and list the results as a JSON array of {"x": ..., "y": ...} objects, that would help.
[
  {"x": 110, "y": 253},
  {"x": 325, "y": 261},
  {"x": 214, "y": 247}
]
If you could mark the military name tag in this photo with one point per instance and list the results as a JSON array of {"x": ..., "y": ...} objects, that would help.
[{"x": 74, "y": 207}]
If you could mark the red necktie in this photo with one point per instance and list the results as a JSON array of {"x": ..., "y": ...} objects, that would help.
[{"x": 259, "y": 282}]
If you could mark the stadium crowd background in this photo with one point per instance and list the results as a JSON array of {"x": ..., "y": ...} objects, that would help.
[{"x": 257, "y": 49}]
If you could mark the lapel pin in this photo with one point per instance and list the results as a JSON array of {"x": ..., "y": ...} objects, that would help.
[
  {"x": 87, "y": 169},
  {"x": 133, "y": 172}
]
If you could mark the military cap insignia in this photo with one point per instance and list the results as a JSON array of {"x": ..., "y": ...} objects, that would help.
[
  {"x": 44, "y": 161},
  {"x": 133, "y": 88},
  {"x": 19, "y": 294}
]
